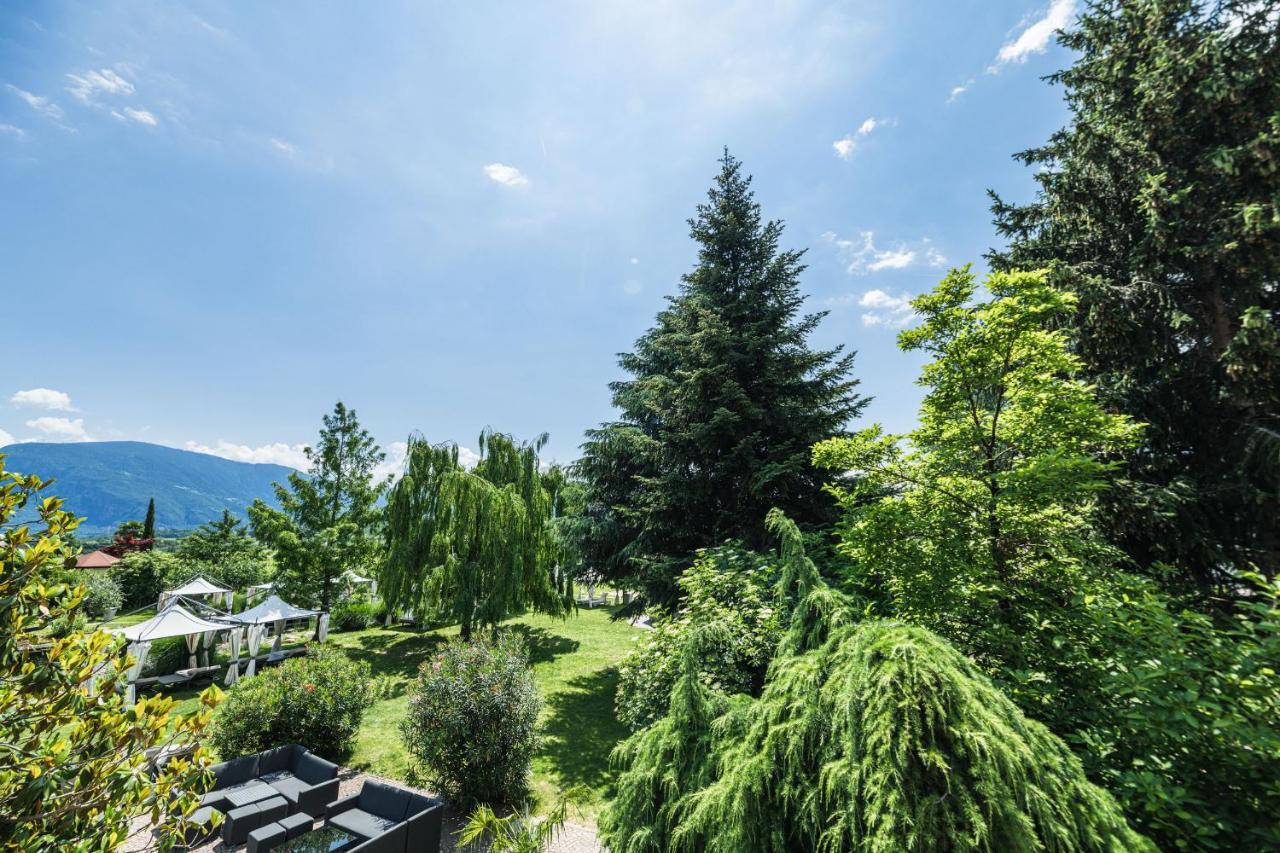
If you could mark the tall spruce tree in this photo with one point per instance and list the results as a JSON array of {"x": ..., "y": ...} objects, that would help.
[
  {"x": 1160, "y": 206},
  {"x": 327, "y": 518},
  {"x": 724, "y": 400}
]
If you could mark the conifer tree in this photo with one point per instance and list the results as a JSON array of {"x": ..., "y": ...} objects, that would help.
[
  {"x": 724, "y": 398},
  {"x": 1158, "y": 206},
  {"x": 149, "y": 523},
  {"x": 326, "y": 521}
]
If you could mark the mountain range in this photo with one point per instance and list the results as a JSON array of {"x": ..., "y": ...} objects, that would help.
[{"x": 109, "y": 482}]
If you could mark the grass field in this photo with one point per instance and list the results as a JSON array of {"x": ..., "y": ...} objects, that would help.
[{"x": 574, "y": 663}]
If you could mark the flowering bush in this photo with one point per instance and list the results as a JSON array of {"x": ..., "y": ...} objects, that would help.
[
  {"x": 317, "y": 701},
  {"x": 473, "y": 720},
  {"x": 730, "y": 589}
]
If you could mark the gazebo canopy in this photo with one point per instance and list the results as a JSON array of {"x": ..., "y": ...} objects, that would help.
[
  {"x": 198, "y": 586},
  {"x": 272, "y": 609},
  {"x": 175, "y": 621}
]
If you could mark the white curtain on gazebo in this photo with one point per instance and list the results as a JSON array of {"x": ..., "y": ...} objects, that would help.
[
  {"x": 322, "y": 630},
  {"x": 139, "y": 651},
  {"x": 278, "y": 625},
  {"x": 255, "y": 641},
  {"x": 233, "y": 671},
  {"x": 193, "y": 640}
]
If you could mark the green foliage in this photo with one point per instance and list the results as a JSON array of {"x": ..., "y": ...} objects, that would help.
[
  {"x": 1160, "y": 206},
  {"x": 876, "y": 736},
  {"x": 166, "y": 656},
  {"x": 223, "y": 551},
  {"x": 987, "y": 536},
  {"x": 990, "y": 537},
  {"x": 728, "y": 587},
  {"x": 357, "y": 612},
  {"x": 149, "y": 523},
  {"x": 473, "y": 720},
  {"x": 725, "y": 398},
  {"x": 317, "y": 701},
  {"x": 143, "y": 575},
  {"x": 518, "y": 832},
  {"x": 478, "y": 545},
  {"x": 73, "y": 777},
  {"x": 102, "y": 594},
  {"x": 325, "y": 524}
]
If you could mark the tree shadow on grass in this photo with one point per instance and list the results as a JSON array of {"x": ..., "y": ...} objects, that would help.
[
  {"x": 397, "y": 654},
  {"x": 581, "y": 730},
  {"x": 542, "y": 645}
]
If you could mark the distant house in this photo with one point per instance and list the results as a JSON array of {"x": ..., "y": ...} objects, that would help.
[{"x": 96, "y": 560}]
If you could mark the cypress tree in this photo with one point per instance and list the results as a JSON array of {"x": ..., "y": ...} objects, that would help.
[
  {"x": 149, "y": 523},
  {"x": 1159, "y": 207},
  {"x": 724, "y": 399}
]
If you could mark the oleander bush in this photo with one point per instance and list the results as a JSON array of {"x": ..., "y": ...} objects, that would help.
[
  {"x": 473, "y": 720},
  {"x": 317, "y": 701}
]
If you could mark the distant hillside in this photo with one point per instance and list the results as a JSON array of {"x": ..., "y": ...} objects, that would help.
[{"x": 111, "y": 481}]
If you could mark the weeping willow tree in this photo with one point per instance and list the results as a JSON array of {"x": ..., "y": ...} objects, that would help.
[
  {"x": 872, "y": 736},
  {"x": 476, "y": 545}
]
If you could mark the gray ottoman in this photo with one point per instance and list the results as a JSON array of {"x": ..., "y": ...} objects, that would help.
[
  {"x": 266, "y": 838},
  {"x": 296, "y": 824},
  {"x": 240, "y": 822}
]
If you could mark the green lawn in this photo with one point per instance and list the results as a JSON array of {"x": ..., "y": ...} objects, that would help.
[{"x": 574, "y": 662}]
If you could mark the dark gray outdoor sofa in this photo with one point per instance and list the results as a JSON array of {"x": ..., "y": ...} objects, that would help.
[
  {"x": 302, "y": 782},
  {"x": 388, "y": 819}
]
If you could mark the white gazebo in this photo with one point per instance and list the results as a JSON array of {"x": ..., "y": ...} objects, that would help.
[
  {"x": 273, "y": 611},
  {"x": 197, "y": 587},
  {"x": 353, "y": 580},
  {"x": 258, "y": 589},
  {"x": 174, "y": 621}
]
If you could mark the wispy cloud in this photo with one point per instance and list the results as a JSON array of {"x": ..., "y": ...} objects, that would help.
[
  {"x": 40, "y": 104},
  {"x": 1035, "y": 38},
  {"x": 884, "y": 309},
  {"x": 65, "y": 428},
  {"x": 863, "y": 256},
  {"x": 508, "y": 176},
  {"x": 12, "y": 130},
  {"x": 140, "y": 116},
  {"x": 957, "y": 91},
  {"x": 6, "y": 439},
  {"x": 845, "y": 146},
  {"x": 43, "y": 398},
  {"x": 288, "y": 149},
  {"x": 85, "y": 87},
  {"x": 278, "y": 453}
]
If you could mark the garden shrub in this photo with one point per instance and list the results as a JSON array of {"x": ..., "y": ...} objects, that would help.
[
  {"x": 317, "y": 701},
  {"x": 357, "y": 613},
  {"x": 68, "y": 624},
  {"x": 102, "y": 594},
  {"x": 166, "y": 655},
  {"x": 728, "y": 586},
  {"x": 473, "y": 720},
  {"x": 143, "y": 575}
]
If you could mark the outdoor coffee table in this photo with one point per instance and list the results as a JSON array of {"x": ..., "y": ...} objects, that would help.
[
  {"x": 251, "y": 794},
  {"x": 326, "y": 839}
]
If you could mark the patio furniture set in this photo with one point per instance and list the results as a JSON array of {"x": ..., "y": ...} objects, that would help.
[{"x": 272, "y": 799}]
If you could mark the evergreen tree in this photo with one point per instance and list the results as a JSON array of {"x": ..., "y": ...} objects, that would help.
[
  {"x": 724, "y": 400},
  {"x": 875, "y": 736},
  {"x": 149, "y": 523},
  {"x": 326, "y": 523},
  {"x": 477, "y": 545},
  {"x": 1159, "y": 207}
]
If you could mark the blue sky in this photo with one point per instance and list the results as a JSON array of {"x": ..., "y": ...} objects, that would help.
[{"x": 218, "y": 219}]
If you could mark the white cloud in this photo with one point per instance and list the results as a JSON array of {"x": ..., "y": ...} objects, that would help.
[
  {"x": 635, "y": 261},
  {"x": 60, "y": 427},
  {"x": 960, "y": 90},
  {"x": 886, "y": 309},
  {"x": 6, "y": 439},
  {"x": 279, "y": 452},
  {"x": 37, "y": 103},
  {"x": 467, "y": 457},
  {"x": 1035, "y": 38},
  {"x": 286, "y": 148},
  {"x": 43, "y": 398},
  {"x": 84, "y": 87},
  {"x": 863, "y": 256},
  {"x": 12, "y": 129},
  {"x": 140, "y": 116},
  {"x": 508, "y": 176},
  {"x": 844, "y": 147}
]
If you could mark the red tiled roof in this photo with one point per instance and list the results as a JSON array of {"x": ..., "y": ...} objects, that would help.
[{"x": 96, "y": 560}]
